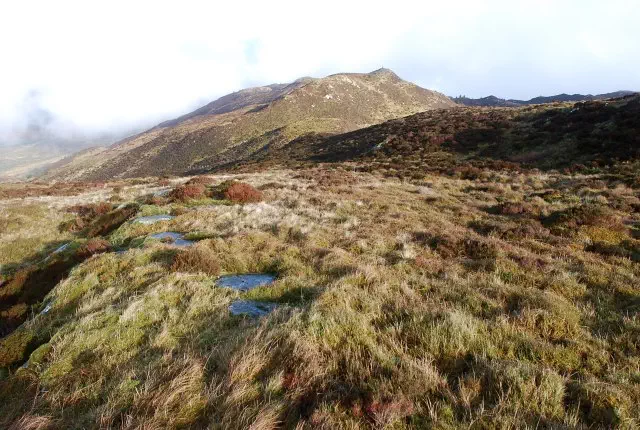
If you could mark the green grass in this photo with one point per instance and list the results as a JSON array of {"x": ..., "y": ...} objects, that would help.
[{"x": 400, "y": 306}]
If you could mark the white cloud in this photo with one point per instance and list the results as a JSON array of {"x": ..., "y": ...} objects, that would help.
[{"x": 114, "y": 65}]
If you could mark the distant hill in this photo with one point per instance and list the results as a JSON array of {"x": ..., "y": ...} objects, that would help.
[
  {"x": 32, "y": 158},
  {"x": 243, "y": 123},
  {"x": 494, "y": 101},
  {"x": 585, "y": 135}
]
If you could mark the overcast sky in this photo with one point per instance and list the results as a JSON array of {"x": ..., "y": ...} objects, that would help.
[{"x": 118, "y": 65}]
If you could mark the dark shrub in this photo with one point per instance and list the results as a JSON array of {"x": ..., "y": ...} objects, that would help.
[
  {"x": 108, "y": 222},
  {"x": 201, "y": 180},
  {"x": 451, "y": 247},
  {"x": 479, "y": 250},
  {"x": 588, "y": 214},
  {"x": 515, "y": 209},
  {"x": 85, "y": 215},
  {"x": 272, "y": 186},
  {"x": 179, "y": 211},
  {"x": 627, "y": 249},
  {"x": 91, "y": 210}
]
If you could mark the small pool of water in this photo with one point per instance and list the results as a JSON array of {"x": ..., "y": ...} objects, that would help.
[
  {"x": 162, "y": 193},
  {"x": 176, "y": 239},
  {"x": 58, "y": 250},
  {"x": 152, "y": 219},
  {"x": 46, "y": 309},
  {"x": 251, "y": 308},
  {"x": 61, "y": 248},
  {"x": 246, "y": 281}
]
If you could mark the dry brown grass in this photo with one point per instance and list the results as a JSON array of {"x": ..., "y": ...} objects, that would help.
[
  {"x": 201, "y": 180},
  {"x": 400, "y": 306},
  {"x": 196, "y": 260}
]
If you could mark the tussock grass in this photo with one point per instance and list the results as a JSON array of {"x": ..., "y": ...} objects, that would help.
[{"x": 454, "y": 303}]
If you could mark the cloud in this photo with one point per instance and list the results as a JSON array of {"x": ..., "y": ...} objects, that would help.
[{"x": 120, "y": 65}]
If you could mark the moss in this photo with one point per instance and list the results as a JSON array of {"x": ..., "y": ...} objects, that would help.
[
  {"x": 591, "y": 214},
  {"x": 605, "y": 234},
  {"x": 40, "y": 355},
  {"x": 602, "y": 404},
  {"x": 16, "y": 347},
  {"x": 291, "y": 292}
]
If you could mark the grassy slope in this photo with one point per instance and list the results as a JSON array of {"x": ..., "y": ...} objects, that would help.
[{"x": 487, "y": 303}]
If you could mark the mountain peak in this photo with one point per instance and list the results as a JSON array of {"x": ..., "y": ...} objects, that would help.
[
  {"x": 234, "y": 127},
  {"x": 384, "y": 72}
]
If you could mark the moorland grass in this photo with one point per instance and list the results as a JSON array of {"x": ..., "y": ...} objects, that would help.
[{"x": 401, "y": 305}]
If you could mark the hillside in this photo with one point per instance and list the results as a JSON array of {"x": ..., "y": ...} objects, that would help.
[
  {"x": 585, "y": 136},
  {"x": 493, "y": 101},
  {"x": 238, "y": 125}
]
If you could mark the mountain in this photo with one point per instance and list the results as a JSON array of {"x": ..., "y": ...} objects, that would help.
[
  {"x": 238, "y": 125},
  {"x": 498, "y": 102}
]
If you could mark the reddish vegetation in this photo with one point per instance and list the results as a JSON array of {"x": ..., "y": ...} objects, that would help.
[
  {"x": 85, "y": 215},
  {"x": 196, "y": 260},
  {"x": 91, "y": 210},
  {"x": 110, "y": 221},
  {"x": 383, "y": 412},
  {"x": 93, "y": 246},
  {"x": 156, "y": 200},
  {"x": 449, "y": 246},
  {"x": 28, "y": 286},
  {"x": 31, "y": 284},
  {"x": 240, "y": 192},
  {"x": 187, "y": 192}
]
